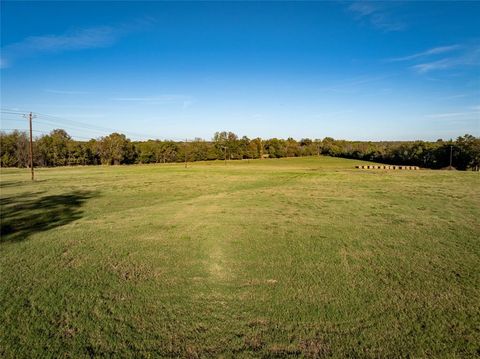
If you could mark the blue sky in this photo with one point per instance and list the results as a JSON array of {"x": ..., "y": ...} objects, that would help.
[{"x": 353, "y": 70}]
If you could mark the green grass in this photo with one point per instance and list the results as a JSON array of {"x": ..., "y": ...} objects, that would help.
[{"x": 291, "y": 257}]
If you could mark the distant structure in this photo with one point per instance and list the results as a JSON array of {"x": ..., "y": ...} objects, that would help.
[
  {"x": 375, "y": 167},
  {"x": 449, "y": 168}
]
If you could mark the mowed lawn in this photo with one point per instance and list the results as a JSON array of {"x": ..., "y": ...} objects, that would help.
[{"x": 267, "y": 258}]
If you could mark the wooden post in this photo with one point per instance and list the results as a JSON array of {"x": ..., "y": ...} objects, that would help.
[{"x": 30, "y": 116}]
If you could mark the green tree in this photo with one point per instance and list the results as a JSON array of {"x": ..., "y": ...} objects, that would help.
[
  {"x": 14, "y": 149},
  {"x": 116, "y": 149}
]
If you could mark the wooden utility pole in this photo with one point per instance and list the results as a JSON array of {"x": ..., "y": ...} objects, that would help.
[
  {"x": 451, "y": 157},
  {"x": 30, "y": 117},
  {"x": 225, "y": 151},
  {"x": 186, "y": 154}
]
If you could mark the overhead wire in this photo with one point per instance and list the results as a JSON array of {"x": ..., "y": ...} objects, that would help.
[
  {"x": 50, "y": 124},
  {"x": 82, "y": 126},
  {"x": 42, "y": 132},
  {"x": 79, "y": 125},
  {"x": 90, "y": 126}
]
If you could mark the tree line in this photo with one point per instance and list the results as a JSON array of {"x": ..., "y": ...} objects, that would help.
[{"x": 58, "y": 148}]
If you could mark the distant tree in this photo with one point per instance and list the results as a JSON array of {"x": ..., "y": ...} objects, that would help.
[
  {"x": 275, "y": 148},
  {"x": 233, "y": 146},
  {"x": 76, "y": 153},
  {"x": 92, "y": 152},
  {"x": 220, "y": 143},
  {"x": 53, "y": 149},
  {"x": 467, "y": 152},
  {"x": 116, "y": 149},
  {"x": 227, "y": 143},
  {"x": 244, "y": 148},
  {"x": 330, "y": 147},
  {"x": 292, "y": 148},
  {"x": 14, "y": 149},
  {"x": 146, "y": 151},
  {"x": 199, "y": 150},
  {"x": 59, "y": 149},
  {"x": 255, "y": 148}
]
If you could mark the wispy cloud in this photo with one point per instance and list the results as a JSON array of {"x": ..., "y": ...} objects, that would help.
[
  {"x": 332, "y": 114},
  {"x": 71, "y": 40},
  {"x": 432, "y": 66},
  {"x": 455, "y": 114},
  {"x": 462, "y": 118},
  {"x": 185, "y": 101},
  {"x": 377, "y": 15},
  {"x": 469, "y": 57},
  {"x": 441, "y": 58},
  {"x": 353, "y": 84},
  {"x": 454, "y": 97},
  {"x": 429, "y": 52},
  {"x": 66, "y": 92}
]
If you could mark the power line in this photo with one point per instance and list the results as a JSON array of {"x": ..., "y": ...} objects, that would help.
[
  {"x": 43, "y": 132},
  {"x": 21, "y": 111},
  {"x": 90, "y": 126},
  {"x": 12, "y": 112},
  {"x": 64, "y": 122},
  {"x": 51, "y": 125},
  {"x": 46, "y": 122},
  {"x": 23, "y": 129},
  {"x": 11, "y": 119},
  {"x": 78, "y": 124}
]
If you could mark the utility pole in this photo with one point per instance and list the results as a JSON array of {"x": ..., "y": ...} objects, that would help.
[
  {"x": 225, "y": 154},
  {"x": 30, "y": 118},
  {"x": 186, "y": 153},
  {"x": 451, "y": 155}
]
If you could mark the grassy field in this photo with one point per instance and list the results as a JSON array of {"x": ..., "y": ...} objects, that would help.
[{"x": 291, "y": 257}]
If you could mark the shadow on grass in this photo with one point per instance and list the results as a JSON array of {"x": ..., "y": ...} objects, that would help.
[
  {"x": 26, "y": 214},
  {"x": 4, "y": 184}
]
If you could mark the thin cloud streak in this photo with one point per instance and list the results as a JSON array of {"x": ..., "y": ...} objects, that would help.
[
  {"x": 166, "y": 98},
  {"x": 429, "y": 52},
  {"x": 471, "y": 57},
  {"x": 376, "y": 15},
  {"x": 459, "y": 55},
  {"x": 352, "y": 84},
  {"x": 72, "y": 40},
  {"x": 186, "y": 101},
  {"x": 332, "y": 114},
  {"x": 453, "y": 114},
  {"x": 85, "y": 116},
  {"x": 434, "y": 65},
  {"x": 67, "y": 92},
  {"x": 454, "y": 97}
]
